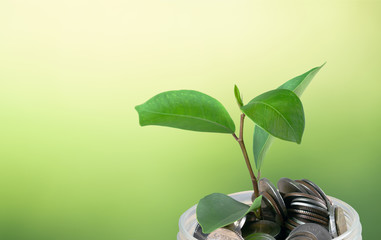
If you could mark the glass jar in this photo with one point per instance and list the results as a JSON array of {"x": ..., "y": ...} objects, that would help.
[{"x": 188, "y": 222}]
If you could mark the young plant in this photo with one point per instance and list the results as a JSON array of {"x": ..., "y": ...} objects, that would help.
[{"x": 276, "y": 113}]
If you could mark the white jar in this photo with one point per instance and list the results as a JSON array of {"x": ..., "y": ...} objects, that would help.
[{"x": 188, "y": 222}]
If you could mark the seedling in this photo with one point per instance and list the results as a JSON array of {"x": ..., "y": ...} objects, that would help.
[{"x": 277, "y": 113}]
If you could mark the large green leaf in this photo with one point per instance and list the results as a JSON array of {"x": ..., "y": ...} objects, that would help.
[
  {"x": 279, "y": 112},
  {"x": 218, "y": 210},
  {"x": 186, "y": 109},
  {"x": 261, "y": 139}
]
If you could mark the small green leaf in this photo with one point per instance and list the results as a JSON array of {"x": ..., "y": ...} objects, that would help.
[
  {"x": 237, "y": 95},
  {"x": 279, "y": 112},
  {"x": 186, "y": 109},
  {"x": 256, "y": 204},
  {"x": 261, "y": 139},
  {"x": 218, "y": 210}
]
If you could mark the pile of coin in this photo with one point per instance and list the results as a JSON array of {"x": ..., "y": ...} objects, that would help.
[{"x": 298, "y": 210}]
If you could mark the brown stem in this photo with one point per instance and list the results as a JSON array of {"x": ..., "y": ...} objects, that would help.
[{"x": 243, "y": 148}]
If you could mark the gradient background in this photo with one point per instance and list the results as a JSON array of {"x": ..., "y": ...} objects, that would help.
[{"x": 74, "y": 162}]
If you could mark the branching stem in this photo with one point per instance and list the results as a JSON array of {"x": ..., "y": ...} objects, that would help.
[{"x": 248, "y": 164}]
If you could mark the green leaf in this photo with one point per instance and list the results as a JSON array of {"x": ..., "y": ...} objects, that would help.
[
  {"x": 261, "y": 139},
  {"x": 279, "y": 112},
  {"x": 186, "y": 109},
  {"x": 299, "y": 84},
  {"x": 237, "y": 95},
  {"x": 218, "y": 210},
  {"x": 255, "y": 205}
]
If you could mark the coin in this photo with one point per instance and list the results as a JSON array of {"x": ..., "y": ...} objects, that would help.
[
  {"x": 307, "y": 213},
  {"x": 332, "y": 222},
  {"x": 310, "y": 219},
  {"x": 290, "y": 196},
  {"x": 292, "y": 222},
  {"x": 298, "y": 221},
  {"x": 320, "y": 191},
  {"x": 262, "y": 226},
  {"x": 286, "y": 185},
  {"x": 309, "y": 207},
  {"x": 302, "y": 236},
  {"x": 237, "y": 225},
  {"x": 341, "y": 223},
  {"x": 316, "y": 230},
  {"x": 224, "y": 234},
  {"x": 289, "y": 226},
  {"x": 266, "y": 186},
  {"x": 269, "y": 204},
  {"x": 198, "y": 234},
  {"x": 317, "y": 211},
  {"x": 311, "y": 201},
  {"x": 259, "y": 236},
  {"x": 312, "y": 190}
]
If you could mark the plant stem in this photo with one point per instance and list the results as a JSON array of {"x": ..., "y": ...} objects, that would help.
[{"x": 248, "y": 164}]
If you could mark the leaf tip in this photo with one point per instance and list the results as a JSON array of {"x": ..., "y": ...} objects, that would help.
[{"x": 138, "y": 109}]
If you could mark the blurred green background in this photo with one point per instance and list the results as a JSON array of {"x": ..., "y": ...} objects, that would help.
[{"x": 74, "y": 162}]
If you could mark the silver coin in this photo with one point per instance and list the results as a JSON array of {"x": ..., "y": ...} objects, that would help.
[
  {"x": 302, "y": 185},
  {"x": 320, "y": 191},
  {"x": 266, "y": 186},
  {"x": 263, "y": 226},
  {"x": 311, "y": 189},
  {"x": 341, "y": 223},
  {"x": 286, "y": 185},
  {"x": 289, "y": 197},
  {"x": 308, "y": 205},
  {"x": 270, "y": 209},
  {"x": 316, "y": 230},
  {"x": 289, "y": 225},
  {"x": 298, "y": 221},
  {"x": 237, "y": 225},
  {"x": 310, "y": 219},
  {"x": 311, "y": 201},
  {"x": 198, "y": 234},
  {"x": 224, "y": 234},
  {"x": 259, "y": 236},
  {"x": 308, "y": 213},
  {"x": 332, "y": 222},
  {"x": 313, "y": 210},
  {"x": 302, "y": 236}
]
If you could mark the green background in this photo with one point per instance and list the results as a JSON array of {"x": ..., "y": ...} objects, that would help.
[{"x": 74, "y": 162}]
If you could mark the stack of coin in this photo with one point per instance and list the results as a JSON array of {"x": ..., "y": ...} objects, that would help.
[
  {"x": 305, "y": 202},
  {"x": 304, "y": 208}
]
